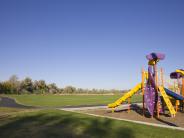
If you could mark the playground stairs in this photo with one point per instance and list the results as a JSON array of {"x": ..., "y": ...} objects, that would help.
[{"x": 167, "y": 101}]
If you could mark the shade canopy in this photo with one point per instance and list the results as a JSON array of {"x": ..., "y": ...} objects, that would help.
[
  {"x": 175, "y": 75},
  {"x": 156, "y": 56}
]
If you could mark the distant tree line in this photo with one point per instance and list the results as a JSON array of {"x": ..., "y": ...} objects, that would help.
[{"x": 28, "y": 86}]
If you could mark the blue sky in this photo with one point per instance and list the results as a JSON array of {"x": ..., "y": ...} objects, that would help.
[{"x": 89, "y": 43}]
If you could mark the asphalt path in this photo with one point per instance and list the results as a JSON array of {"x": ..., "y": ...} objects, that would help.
[{"x": 9, "y": 102}]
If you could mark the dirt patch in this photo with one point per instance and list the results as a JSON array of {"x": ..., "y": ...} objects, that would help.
[{"x": 136, "y": 115}]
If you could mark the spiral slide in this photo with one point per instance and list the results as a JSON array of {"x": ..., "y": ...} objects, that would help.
[{"x": 126, "y": 96}]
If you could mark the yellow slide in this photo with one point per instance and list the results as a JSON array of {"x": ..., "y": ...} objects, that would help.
[
  {"x": 126, "y": 96},
  {"x": 167, "y": 101}
]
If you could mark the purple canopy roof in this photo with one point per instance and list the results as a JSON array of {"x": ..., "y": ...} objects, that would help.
[
  {"x": 175, "y": 75},
  {"x": 155, "y": 56}
]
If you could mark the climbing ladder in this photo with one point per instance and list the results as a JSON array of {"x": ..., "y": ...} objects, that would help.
[{"x": 167, "y": 101}]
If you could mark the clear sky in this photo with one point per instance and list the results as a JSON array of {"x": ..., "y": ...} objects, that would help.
[{"x": 89, "y": 43}]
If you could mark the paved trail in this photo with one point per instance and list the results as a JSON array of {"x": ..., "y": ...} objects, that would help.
[{"x": 8, "y": 102}]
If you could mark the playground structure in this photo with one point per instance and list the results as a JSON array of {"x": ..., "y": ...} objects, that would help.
[
  {"x": 155, "y": 96},
  {"x": 178, "y": 87}
]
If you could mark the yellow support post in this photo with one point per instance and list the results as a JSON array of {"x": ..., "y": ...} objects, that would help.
[
  {"x": 183, "y": 88},
  {"x": 175, "y": 86},
  {"x": 162, "y": 84},
  {"x": 129, "y": 102},
  {"x": 162, "y": 77},
  {"x": 143, "y": 78},
  {"x": 177, "y": 103},
  {"x": 156, "y": 81}
]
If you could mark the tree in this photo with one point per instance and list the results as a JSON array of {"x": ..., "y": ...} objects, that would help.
[
  {"x": 6, "y": 87},
  {"x": 40, "y": 86},
  {"x": 69, "y": 89},
  {"x": 60, "y": 90},
  {"x": 80, "y": 90},
  {"x": 53, "y": 88},
  {"x": 27, "y": 85},
  {"x": 13, "y": 80}
]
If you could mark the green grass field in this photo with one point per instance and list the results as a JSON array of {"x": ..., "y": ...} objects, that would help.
[
  {"x": 68, "y": 100},
  {"x": 62, "y": 124}
]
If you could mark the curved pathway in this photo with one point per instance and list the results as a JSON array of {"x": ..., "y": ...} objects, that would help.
[{"x": 9, "y": 102}]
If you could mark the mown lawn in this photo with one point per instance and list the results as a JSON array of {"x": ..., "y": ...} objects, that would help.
[
  {"x": 62, "y": 124},
  {"x": 68, "y": 100}
]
